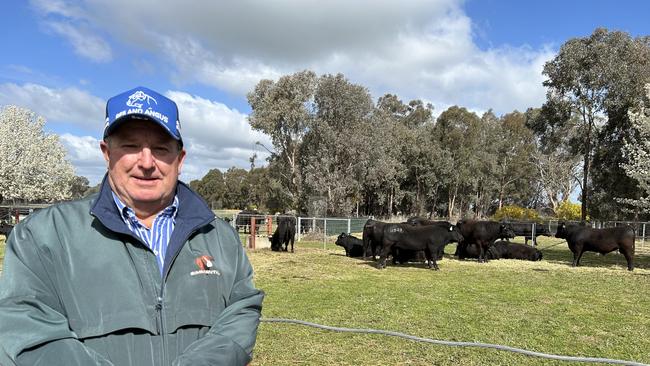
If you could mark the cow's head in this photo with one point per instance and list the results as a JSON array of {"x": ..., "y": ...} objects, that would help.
[
  {"x": 561, "y": 230},
  {"x": 506, "y": 231},
  {"x": 340, "y": 240},
  {"x": 456, "y": 236}
]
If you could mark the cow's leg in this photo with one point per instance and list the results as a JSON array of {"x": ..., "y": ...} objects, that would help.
[
  {"x": 576, "y": 257},
  {"x": 292, "y": 240},
  {"x": 431, "y": 259},
  {"x": 629, "y": 257},
  {"x": 384, "y": 254},
  {"x": 481, "y": 253},
  {"x": 460, "y": 250},
  {"x": 366, "y": 244},
  {"x": 374, "y": 245}
]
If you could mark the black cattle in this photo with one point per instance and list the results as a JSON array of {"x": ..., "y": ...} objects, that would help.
[
  {"x": 429, "y": 238},
  {"x": 504, "y": 250},
  {"x": 5, "y": 229},
  {"x": 482, "y": 233},
  {"x": 525, "y": 229},
  {"x": 285, "y": 233},
  {"x": 585, "y": 239},
  {"x": 373, "y": 234},
  {"x": 353, "y": 246},
  {"x": 402, "y": 256},
  {"x": 420, "y": 221},
  {"x": 243, "y": 220},
  {"x": 507, "y": 250}
]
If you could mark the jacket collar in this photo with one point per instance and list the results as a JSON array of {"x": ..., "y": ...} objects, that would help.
[{"x": 193, "y": 213}]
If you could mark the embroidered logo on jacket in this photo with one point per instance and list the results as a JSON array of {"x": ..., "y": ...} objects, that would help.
[{"x": 206, "y": 266}]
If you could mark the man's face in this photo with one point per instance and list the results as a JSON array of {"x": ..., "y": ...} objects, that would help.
[{"x": 144, "y": 162}]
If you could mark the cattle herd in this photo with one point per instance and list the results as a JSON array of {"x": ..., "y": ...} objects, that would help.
[
  {"x": 423, "y": 240},
  {"x": 420, "y": 240}
]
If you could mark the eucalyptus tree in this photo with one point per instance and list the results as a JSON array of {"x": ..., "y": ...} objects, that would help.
[
  {"x": 557, "y": 159},
  {"x": 335, "y": 152},
  {"x": 515, "y": 148},
  {"x": 211, "y": 187},
  {"x": 458, "y": 132},
  {"x": 594, "y": 77},
  {"x": 284, "y": 110},
  {"x": 237, "y": 190},
  {"x": 33, "y": 165}
]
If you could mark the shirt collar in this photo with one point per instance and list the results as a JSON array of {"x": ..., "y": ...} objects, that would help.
[{"x": 128, "y": 214}]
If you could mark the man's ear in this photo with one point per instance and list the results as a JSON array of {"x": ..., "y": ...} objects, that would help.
[
  {"x": 106, "y": 151},
  {"x": 181, "y": 159}
]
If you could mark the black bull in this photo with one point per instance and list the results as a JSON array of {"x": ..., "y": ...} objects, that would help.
[
  {"x": 585, "y": 239},
  {"x": 430, "y": 238}
]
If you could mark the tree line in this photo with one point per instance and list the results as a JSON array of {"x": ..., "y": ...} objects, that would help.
[{"x": 337, "y": 152}]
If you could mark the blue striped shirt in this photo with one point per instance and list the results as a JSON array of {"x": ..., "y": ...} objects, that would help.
[{"x": 156, "y": 238}]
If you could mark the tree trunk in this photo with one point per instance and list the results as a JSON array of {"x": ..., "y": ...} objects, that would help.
[{"x": 585, "y": 171}]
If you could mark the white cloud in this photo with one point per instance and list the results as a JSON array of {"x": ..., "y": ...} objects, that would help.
[
  {"x": 67, "y": 105},
  {"x": 215, "y": 136},
  {"x": 85, "y": 155},
  {"x": 418, "y": 49},
  {"x": 84, "y": 41}
]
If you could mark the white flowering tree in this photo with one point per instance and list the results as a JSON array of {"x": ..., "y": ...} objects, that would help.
[
  {"x": 637, "y": 151},
  {"x": 32, "y": 162}
]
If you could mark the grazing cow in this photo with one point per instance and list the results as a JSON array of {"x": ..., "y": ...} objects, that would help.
[
  {"x": 482, "y": 233},
  {"x": 429, "y": 238},
  {"x": 373, "y": 234},
  {"x": 5, "y": 229},
  {"x": 284, "y": 233},
  {"x": 585, "y": 239},
  {"x": 525, "y": 229},
  {"x": 353, "y": 246}
]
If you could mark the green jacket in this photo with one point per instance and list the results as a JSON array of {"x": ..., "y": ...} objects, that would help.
[{"x": 78, "y": 288}]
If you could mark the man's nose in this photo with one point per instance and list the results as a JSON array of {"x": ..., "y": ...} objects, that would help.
[{"x": 146, "y": 160}]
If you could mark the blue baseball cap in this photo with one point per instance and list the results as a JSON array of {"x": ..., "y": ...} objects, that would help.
[{"x": 142, "y": 103}]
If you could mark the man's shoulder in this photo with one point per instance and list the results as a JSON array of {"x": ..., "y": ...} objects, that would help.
[{"x": 76, "y": 208}]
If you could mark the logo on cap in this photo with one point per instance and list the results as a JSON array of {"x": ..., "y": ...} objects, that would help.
[{"x": 139, "y": 96}]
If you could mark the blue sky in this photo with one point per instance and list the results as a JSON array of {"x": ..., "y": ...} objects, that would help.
[{"x": 63, "y": 59}]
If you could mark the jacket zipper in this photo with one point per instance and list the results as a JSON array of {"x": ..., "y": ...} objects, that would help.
[{"x": 159, "y": 300}]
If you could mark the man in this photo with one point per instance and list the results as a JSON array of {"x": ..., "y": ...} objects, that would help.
[{"x": 140, "y": 274}]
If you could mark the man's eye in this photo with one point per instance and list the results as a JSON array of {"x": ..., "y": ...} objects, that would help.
[
  {"x": 129, "y": 146},
  {"x": 161, "y": 149}
]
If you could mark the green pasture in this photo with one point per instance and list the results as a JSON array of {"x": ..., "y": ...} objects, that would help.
[{"x": 597, "y": 310}]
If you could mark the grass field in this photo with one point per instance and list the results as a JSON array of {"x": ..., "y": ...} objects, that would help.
[{"x": 597, "y": 310}]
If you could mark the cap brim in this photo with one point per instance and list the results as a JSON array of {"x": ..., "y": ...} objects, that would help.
[{"x": 120, "y": 121}]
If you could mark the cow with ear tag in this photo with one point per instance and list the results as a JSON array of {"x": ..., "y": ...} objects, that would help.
[{"x": 429, "y": 238}]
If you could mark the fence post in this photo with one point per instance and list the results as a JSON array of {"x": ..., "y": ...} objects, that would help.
[
  {"x": 643, "y": 240},
  {"x": 325, "y": 233},
  {"x": 349, "y": 221},
  {"x": 251, "y": 243},
  {"x": 298, "y": 228}
]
